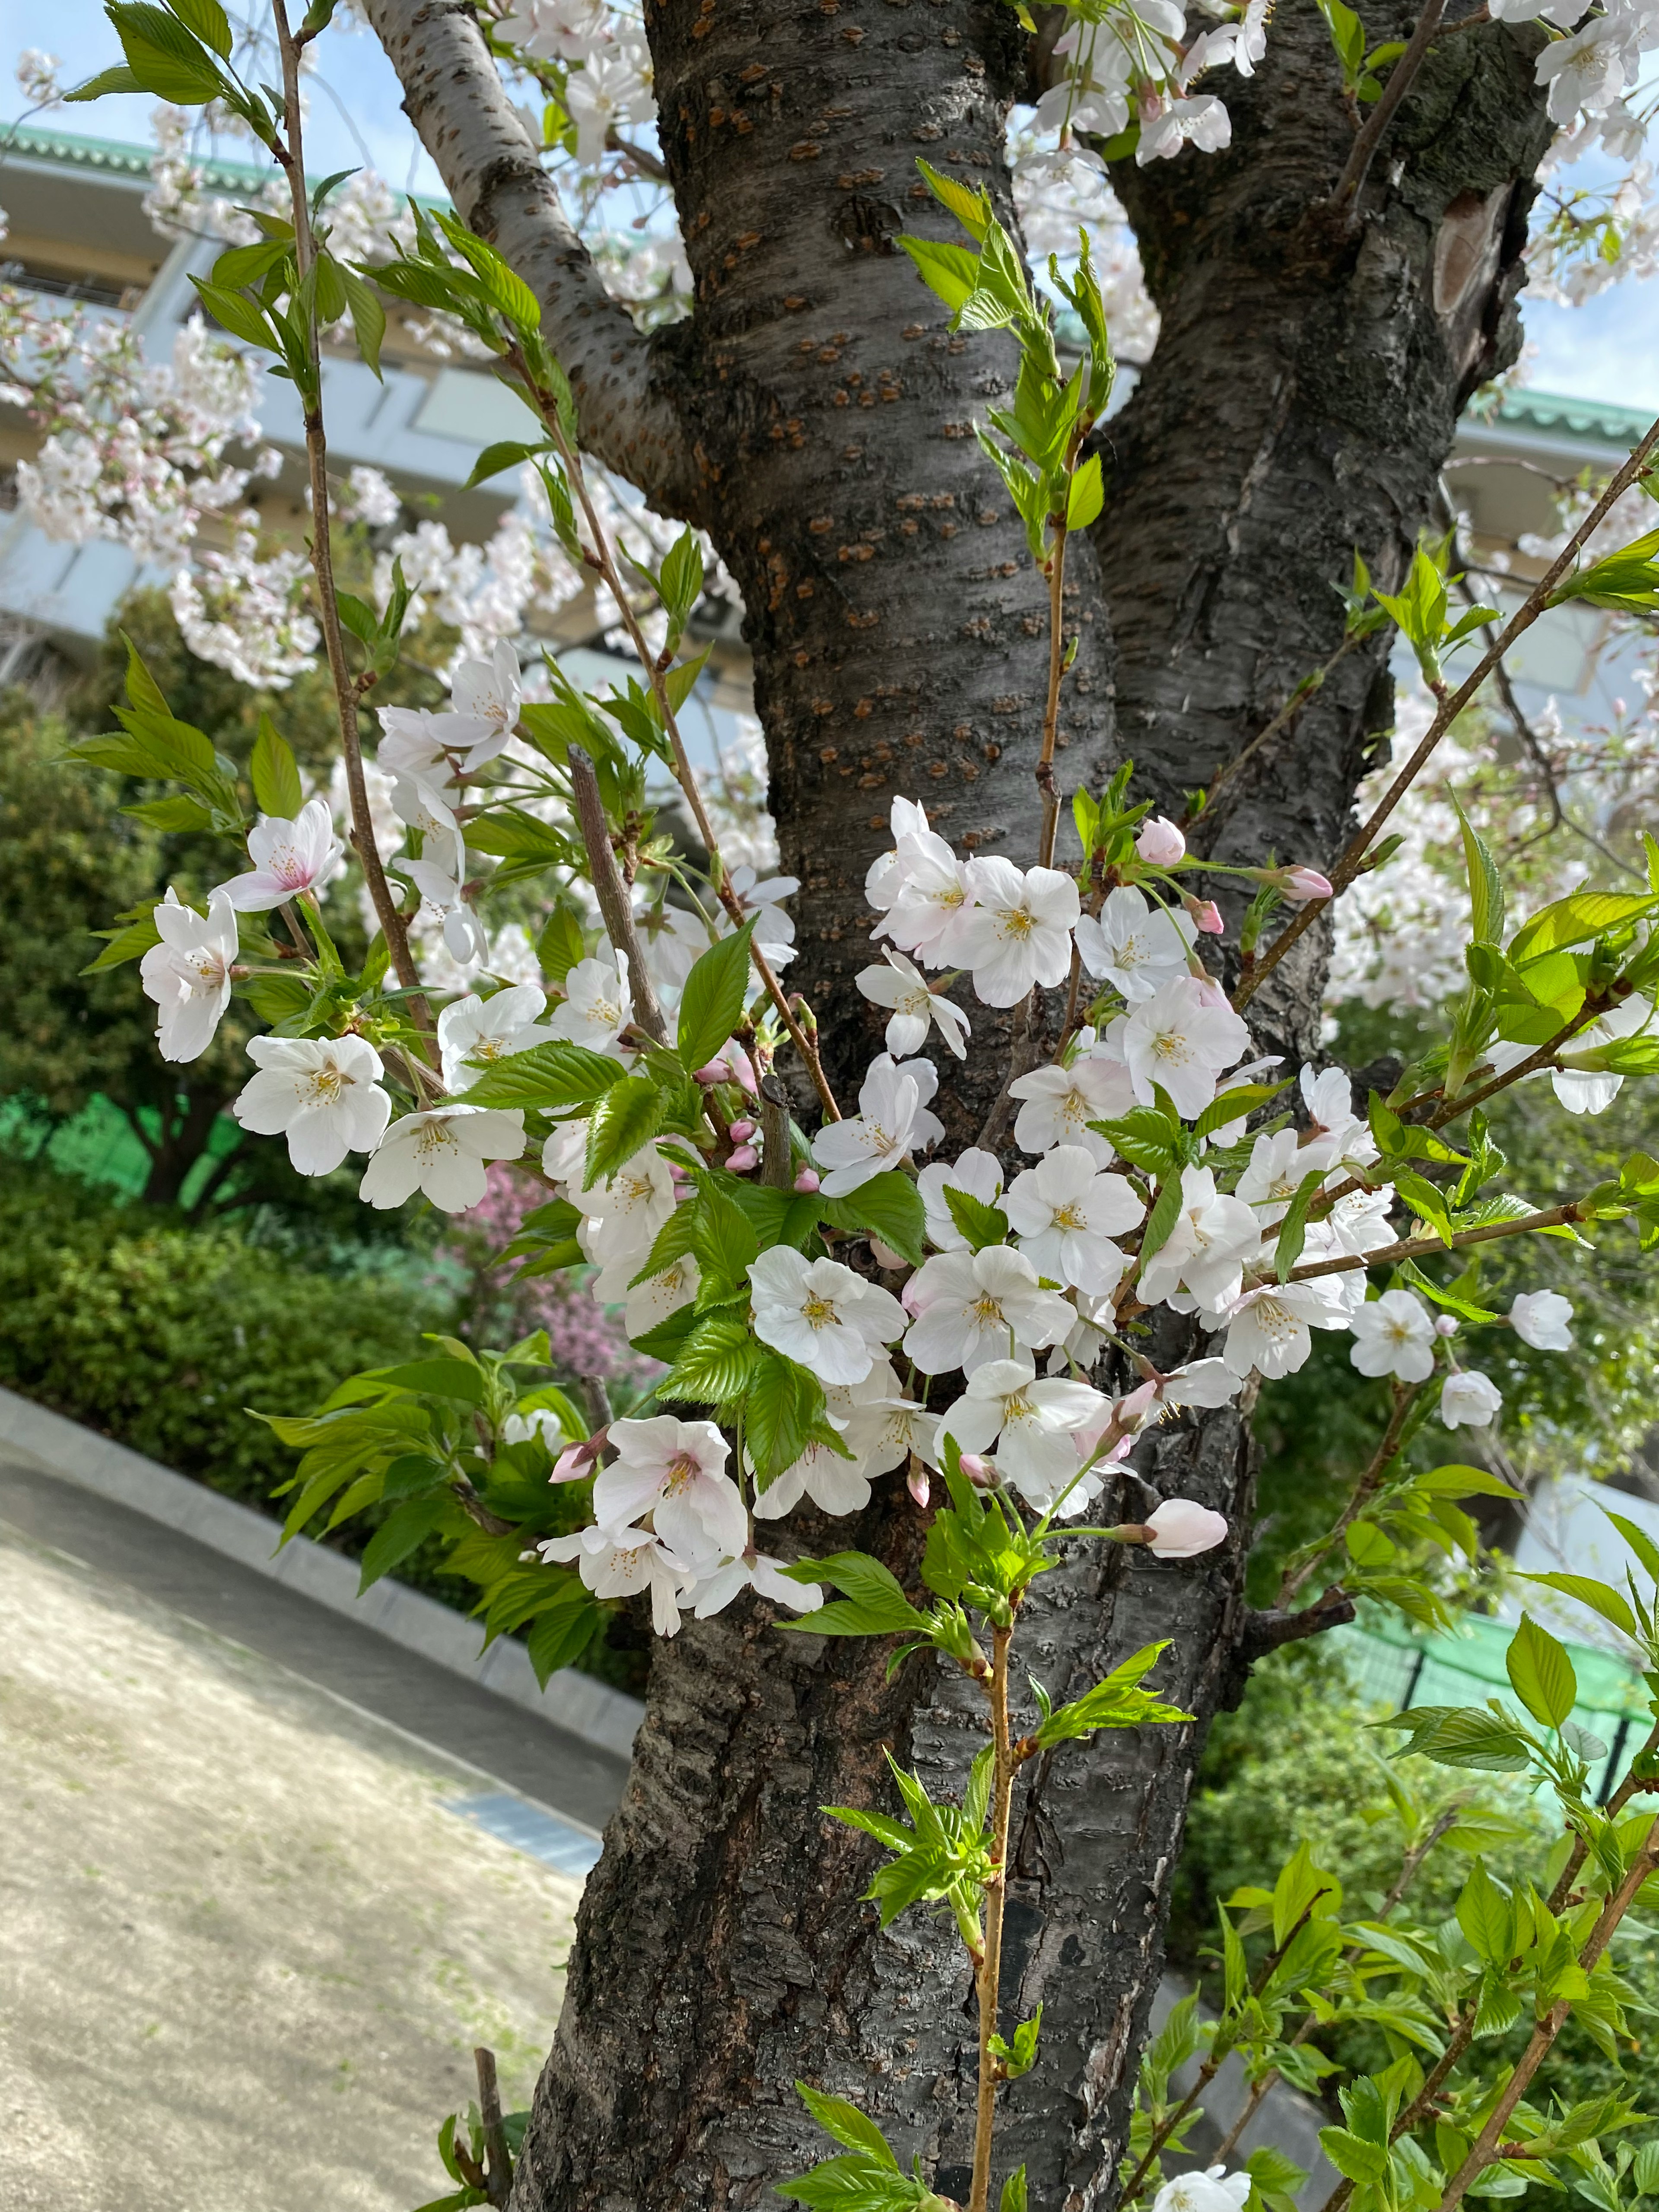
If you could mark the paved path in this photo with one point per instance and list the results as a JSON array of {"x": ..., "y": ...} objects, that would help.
[{"x": 246, "y": 1944}]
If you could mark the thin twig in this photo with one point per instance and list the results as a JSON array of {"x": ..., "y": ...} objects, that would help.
[
  {"x": 989, "y": 1973},
  {"x": 1400, "y": 79},
  {"x": 1412, "y": 1248},
  {"x": 1350, "y": 864},
  {"x": 615, "y": 906},
  {"x": 1044, "y": 771},
  {"x": 291, "y": 155},
  {"x": 1405, "y": 1395},
  {"x": 498, "y": 2183}
]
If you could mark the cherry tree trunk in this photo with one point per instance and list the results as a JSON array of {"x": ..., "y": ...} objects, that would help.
[{"x": 815, "y": 415}]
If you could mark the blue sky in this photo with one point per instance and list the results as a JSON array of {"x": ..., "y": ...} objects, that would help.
[{"x": 1608, "y": 349}]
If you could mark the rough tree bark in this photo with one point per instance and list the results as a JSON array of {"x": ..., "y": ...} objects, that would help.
[{"x": 814, "y": 415}]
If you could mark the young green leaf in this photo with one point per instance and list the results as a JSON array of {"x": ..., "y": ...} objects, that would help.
[
  {"x": 711, "y": 1005},
  {"x": 275, "y": 772},
  {"x": 1541, "y": 1674}
]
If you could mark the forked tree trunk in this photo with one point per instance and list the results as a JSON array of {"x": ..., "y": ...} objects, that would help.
[{"x": 815, "y": 415}]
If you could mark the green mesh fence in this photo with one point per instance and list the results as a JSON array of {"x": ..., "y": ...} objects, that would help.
[
  {"x": 1400, "y": 1667},
  {"x": 101, "y": 1146}
]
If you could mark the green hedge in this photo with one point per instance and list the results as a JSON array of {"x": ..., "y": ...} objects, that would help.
[{"x": 161, "y": 1333}]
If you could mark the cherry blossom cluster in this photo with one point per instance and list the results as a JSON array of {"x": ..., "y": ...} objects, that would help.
[{"x": 601, "y": 58}]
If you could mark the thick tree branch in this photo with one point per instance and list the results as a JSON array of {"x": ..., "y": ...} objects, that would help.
[{"x": 454, "y": 96}]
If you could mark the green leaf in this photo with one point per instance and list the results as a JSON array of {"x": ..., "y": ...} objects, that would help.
[
  {"x": 1356, "y": 2160},
  {"x": 681, "y": 580},
  {"x": 1293, "y": 1230},
  {"x": 628, "y": 1116},
  {"x": 1086, "y": 495},
  {"x": 1425, "y": 1199},
  {"x": 368, "y": 317},
  {"x": 1485, "y": 884},
  {"x": 437, "y": 1378},
  {"x": 781, "y": 1413},
  {"x": 846, "y": 2124},
  {"x": 128, "y": 944},
  {"x": 889, "y": 1206},
  {"x": 972, "y": 209},
  {"x": 1166, "y": 1211},
  {"x": 1639, "y": 1541},
  {"x": 1117, "y": 1702},
  {"x": 173, "y": 815},
  {"x": 209, "y": 21},
  {"x": 712, "y": 1004},
  {"x": 715, "y": 1364},
  {"x": 1572, "y": 921},
  {"x": 238, "y": 315},
  {"x": 1457, "y": 1481},
  {"x": 505, "y": 454},
  {"x": 950, "y": 271},
  {"x": 1013, "y": 2191},
  {"x": 1541, "y": 1674},
  {"x": 400, "y": 1533},
  {"x": 555, "y": 1077},
  {"x": 1600, "y": 1597},
  {"x": 1486, "y": 1914},
  {"x": 560, "y": 944},
  {"x": 163, "y": 56},
  {"x": 275, "y": 772},
  {"x": 874, "y": 1604},
  {"x": 563, "y": 1633},
  {"x": 1146, "y": 1139},
  {"x": 980, "y": 1224},
  {"x": 1233, "y": 1105},
  {"x": 110, "y": 80}
]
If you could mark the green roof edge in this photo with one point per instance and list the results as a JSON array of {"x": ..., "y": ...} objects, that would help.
[{"x": 117, "y": 158}]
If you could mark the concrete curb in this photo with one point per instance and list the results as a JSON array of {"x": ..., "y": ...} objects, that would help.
[{"x": 583, "y": 1707}]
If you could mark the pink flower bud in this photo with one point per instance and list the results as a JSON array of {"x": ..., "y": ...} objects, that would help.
[
  {"x": 1179, "y": 1529},
  {"x": 1160, "y": 844},
  {"x": 807, "y": 1179},
  {"x": 1299, "y": 885},
  {"x": 1205, "y": 915},
  {"x": 575, "y": 1462},
  {"x": 1445, "y": 1325},
  {"x": 1132, "y": 1407},
  {"x": 712, "y": 1072},
  {"x": 677, "y": 1172},
  {"x": 741, "y": 1132},
  {"x": 917, "y": 1484},
  {"x": 980, "y": 1472},
  {"x": 743, "y": 1159}
]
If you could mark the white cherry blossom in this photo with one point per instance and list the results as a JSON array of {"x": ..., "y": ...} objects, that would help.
[
  {"x": 288, "y": 857},
  {"x": 1205, "y": 1251},
  {"x": 876, "y": 1136},
  {"x": 1215, "y": 2190},
  {"x": 975, "y": 1172},
  {"x": 1540, "y": 1318},
  {"x": 1181, "y": 1530},
  {"x": 1269, "y": 1328},
  {"x": 441, "y": 1152},
  {"x": 597, "y": 1006},
  {"x": 821, "y": 1313},
  {"x": 1394, "y": 1334},
  {"x": 323, "y": 1093},
  {"x": 1058, "y": 1103},
  {"x": 188, "y": 973},
  {"x": 901, "y": 985},
  {"x": 835, "y": 1484},
  {"x": 473, "y": 1028},
  {"x": 932, "y": 899},
  {"x": 630, "y": 1206},
  {"x": 1468, "y": 1400},
  {"x": 1019, "y": 931},
  {"x": 622, "y": 1562},
  {"x": 775, "y": 926},
  {"x": 907, "y": 818},
  {"x": 1135, "y": 946},
  {"x": 1033, "y": 1419},
  {"x": 754, "y": 1570},
  {"x": 969, "y": 1304},
  {"x": 675, "y": 1471},
  {"x": 1065, "y": 1211},
  {"x": 1180, "y": 1040},
  {"x": 484, "y": 697}
]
